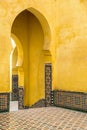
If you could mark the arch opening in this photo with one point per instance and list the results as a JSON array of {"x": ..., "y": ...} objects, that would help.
[
  {"x": 32, "y": 30},
  {"x": 16, "y": 71},
  {"x": 45, "y": 27}
]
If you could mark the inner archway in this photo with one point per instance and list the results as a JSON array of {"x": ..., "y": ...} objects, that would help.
[
  {"x": 16, "y": 72},
  {"x": 29, "y": 30}
]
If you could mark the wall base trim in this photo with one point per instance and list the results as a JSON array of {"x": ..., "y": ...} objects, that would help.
[
  {"x": 21, "y": 98},
  {"x": 70, "y": 99},
  {"x": 38, "y": 104},
  {"x": 4, "y": 102}
]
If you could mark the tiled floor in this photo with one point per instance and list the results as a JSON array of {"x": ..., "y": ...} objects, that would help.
[{"x": 49, "y": 118}]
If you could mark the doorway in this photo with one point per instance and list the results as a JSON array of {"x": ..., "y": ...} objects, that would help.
[
  {"x": 29, "y": 30},
  {"x": 14, "y": 77}
]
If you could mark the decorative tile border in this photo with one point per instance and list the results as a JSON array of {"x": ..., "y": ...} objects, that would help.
[
  {"x": 4, "y": 102},
  {"x": 72, "y": 100},
  {"x": 52, "y": 98},
  {"x": 14, "y": 95},
  {"x": 21, "y": 98},
  {"x": 48, "y": 83},
  {"x": 40, "y": 103}
]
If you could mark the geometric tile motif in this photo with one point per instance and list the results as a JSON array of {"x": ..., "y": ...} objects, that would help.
[
  {"x": 47, "y": 118},
  {"x": 77, "y": 100},
  {"x": 38, "y": 104},
  {"x": 52, "y": 98},
  {"x": 48, "y": 83},
  {"x": 14, "y": 88},
  {"x": 72, "y": 100},
  {"x": 21, "y": 98},
  {"x": 4, "y": 102}
]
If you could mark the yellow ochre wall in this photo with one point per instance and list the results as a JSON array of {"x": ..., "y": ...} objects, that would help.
[
  {"x": 71, "y": 47},
  {"x": 64, "y": 44},
  {"x": 14, "y": 58}
]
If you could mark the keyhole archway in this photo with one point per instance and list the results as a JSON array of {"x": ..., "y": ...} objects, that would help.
[{"x": 32, "y": 28}]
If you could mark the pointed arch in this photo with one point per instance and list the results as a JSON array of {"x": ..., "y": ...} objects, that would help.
[
  {"x": 19, "y": 48},
  {"x": 45, "y": 25}
]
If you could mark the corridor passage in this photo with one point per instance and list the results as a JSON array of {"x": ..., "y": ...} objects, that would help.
[{"x": 48, "y": 118}]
